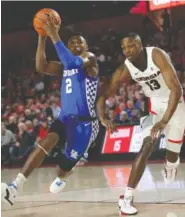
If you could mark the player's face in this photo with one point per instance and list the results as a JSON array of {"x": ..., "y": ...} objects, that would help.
[
  {"x": 77, "y": 45},
  {"x": 131, "y": 48}
]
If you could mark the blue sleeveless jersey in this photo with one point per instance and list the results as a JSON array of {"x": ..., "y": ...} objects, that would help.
[{"x": 78, "y": 94}]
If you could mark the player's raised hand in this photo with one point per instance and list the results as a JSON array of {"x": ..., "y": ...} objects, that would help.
[
  {"x": 109, "y": 125},
  {"x": 157, "y": 129},
  {"x": 41, "y": 17},
  {"x": 50, "y": 27}
]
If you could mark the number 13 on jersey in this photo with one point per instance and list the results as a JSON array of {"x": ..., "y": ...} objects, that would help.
[{"x": 68, "y": 85}]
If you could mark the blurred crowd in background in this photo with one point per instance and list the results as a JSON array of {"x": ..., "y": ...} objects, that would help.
[{"x": 31, "y": 101}]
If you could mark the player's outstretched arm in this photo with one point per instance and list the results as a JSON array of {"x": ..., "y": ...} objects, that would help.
[
  {"x": 109, "y": 89},
  {"x": 169, "y": 74},
  {"x": 42, "y": 66}
]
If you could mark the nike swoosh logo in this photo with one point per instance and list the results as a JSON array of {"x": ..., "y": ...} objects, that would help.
[{"x": 87, "y": 124}]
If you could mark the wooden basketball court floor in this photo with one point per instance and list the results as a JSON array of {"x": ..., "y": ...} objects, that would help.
[{"x": 94, "y": 190}]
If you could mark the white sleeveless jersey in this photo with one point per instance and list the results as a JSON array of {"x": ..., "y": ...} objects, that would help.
[{"x": 151, "y": 80}]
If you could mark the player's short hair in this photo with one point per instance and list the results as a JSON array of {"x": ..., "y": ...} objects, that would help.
[
  {"x": 132, "y": 35},
  {"x": 76, "y": 34}
]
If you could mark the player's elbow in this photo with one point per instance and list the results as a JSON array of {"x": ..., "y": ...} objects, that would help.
[
  {"x": 177, "y": 90},
  {"x": 40, "y": 68},
  {"x": 40, "y": 63}
]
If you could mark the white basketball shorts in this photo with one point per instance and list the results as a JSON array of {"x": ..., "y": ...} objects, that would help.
[{"x": 175, "y": 128}]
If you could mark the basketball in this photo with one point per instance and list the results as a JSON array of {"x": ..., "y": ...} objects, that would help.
[{"x": 38, "y": 23}]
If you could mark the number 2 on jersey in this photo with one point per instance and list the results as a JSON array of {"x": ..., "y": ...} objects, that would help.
[
  {"x": 153, "y": 85},
  {"x": 68, "y": 85}
]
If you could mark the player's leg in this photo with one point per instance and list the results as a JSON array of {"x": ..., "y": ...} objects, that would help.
[
  {"x": 174, "y": 141},
  {"x": 34, "y": 160},
  {"x": 126, "y": 202},
  {"x": 78, "y": 136},
  {"x": 38, "y": 155},
  {"x": 65, "y": 164},
  {"x": 172, "y": 163},
  {"x": 139, "y": 164},
  {"x": 65, "y": 168}
]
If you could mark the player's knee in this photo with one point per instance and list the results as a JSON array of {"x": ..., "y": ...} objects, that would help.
[
  {"x": 48, "y": 143},
  {"x": 65, "y": 164},
  {"x": 173, "y": 147},
  {"x": 148, "y": 145}
]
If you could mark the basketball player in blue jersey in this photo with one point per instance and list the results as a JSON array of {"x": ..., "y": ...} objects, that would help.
[{"x": 77, "y": 123}]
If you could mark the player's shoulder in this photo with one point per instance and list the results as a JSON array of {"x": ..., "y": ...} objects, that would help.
[
  {"x": 124, "y": 66},
  {"x": 157, "y": 51},
  {"x": 91, "y": 55},
  {"x": 158, "y": 54}
]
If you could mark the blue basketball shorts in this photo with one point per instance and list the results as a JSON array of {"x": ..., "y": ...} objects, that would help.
[{"x": 75, "y": 135}]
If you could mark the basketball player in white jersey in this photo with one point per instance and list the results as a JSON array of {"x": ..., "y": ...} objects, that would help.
[{"x": 153, "y": 70}]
